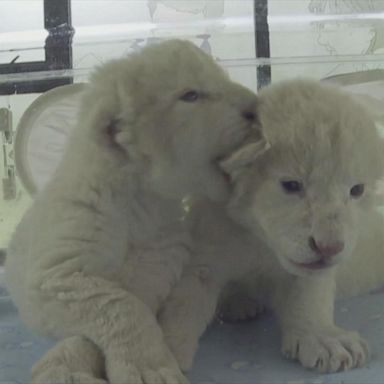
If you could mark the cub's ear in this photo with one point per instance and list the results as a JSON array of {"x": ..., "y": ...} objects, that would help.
[
  {"x": 243, "y": 156},
  {"x": 106, "y": 111}
]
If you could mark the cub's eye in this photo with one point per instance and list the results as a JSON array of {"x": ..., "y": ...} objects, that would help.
[
  {"x": 189, "y": 96},
  {"x": 357, "y": 191},
  {"x": 292, "y": 186}
]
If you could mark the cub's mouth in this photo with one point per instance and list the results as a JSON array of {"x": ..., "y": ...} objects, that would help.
[{"x": 314, "y": 265}]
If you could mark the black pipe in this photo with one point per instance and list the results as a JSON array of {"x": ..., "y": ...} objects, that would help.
[{"x": 262, "y": 41}]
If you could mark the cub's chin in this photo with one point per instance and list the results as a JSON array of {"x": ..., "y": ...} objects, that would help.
[{"x": 307, "y": 268}]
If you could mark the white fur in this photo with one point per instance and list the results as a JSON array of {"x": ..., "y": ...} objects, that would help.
[
  {"x": 324, "y": 139},
  {"x": 104, "y": 243}
]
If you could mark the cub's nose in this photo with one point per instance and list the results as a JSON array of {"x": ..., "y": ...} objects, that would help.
[{"x": 326, "y": 250}]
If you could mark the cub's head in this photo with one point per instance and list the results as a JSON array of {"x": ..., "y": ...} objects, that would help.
[
  {"x": 304, "y": 195},
  {"x": 172, "y": 107}
]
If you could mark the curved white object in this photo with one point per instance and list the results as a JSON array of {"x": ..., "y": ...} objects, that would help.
[{"x": 42, "y": 134}]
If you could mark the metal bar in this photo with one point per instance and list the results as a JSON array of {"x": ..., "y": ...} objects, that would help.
[
  {"x": 36, "y": 86},
  {"x": 82, "y": 73},
  {"x": 58, "y": 45},
  {"x": 262, "y": 41},
  {"x": 33, "y": 66}
]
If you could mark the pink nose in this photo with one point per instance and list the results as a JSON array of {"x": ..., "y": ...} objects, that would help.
[{"x": 326, "y": 250}]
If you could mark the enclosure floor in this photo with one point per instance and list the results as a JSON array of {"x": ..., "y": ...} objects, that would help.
[{"x": 248, "y": 353}]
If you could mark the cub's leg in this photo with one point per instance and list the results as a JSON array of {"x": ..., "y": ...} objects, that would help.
[
  {"x": 188, "y": 310},
  {"x": 75, "y": 360},
  {"x": 116, "y": 321},
  {"x": 305, "y": 310}
]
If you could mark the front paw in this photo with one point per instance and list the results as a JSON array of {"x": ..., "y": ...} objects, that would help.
[
  {"x": 181, "y": 337},
  {"x": 184, "y": 348},
  {"x": 329, "y": 350},
  {"x": 153, "y": 364}
]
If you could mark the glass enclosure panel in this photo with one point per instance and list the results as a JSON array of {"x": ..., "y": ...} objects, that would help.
[
  {"x": 22, "y": 33},
  {"x": 345, "y": 36},
  {"x": 106, "y": 29}
]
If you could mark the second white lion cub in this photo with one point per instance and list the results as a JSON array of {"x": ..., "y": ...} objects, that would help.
[{"x": 297, "y": 211}]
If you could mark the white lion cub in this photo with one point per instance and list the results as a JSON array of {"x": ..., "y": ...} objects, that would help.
[
  {"x": 297, "y": 211},
  {"x": 104, "y": 243}
]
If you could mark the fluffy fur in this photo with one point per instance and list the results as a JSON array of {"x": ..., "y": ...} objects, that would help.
[
  {"x": 291, "y": 237},
  {"x": 104, "y": 243}
]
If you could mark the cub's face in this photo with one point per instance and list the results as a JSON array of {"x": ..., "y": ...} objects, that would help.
[
  {"x": 172, "y": 109},
  {"x": 189, "y": 115},
  {"x": 306, "y": 194},
  {"x": 309, "y": 217}
]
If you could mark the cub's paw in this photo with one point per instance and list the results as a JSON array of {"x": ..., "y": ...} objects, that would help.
[
  {"x": 127, "y": 373},
  {"x": 152, "y": 367},
  {"x": 184, "y": 347},
  {"x": 326, "y": 350},
  {"x": 75, "y": 360}
]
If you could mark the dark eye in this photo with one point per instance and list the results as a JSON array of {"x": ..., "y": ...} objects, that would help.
[
  {"x": 357, "y": 191},
  {"x": 292, "y": 186},
  {"x": 189, "y": 96}
]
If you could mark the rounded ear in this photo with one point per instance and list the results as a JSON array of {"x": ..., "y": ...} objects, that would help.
[
  {"x": 243, "y": 156},
  {"x": 105, "y": 115}
]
